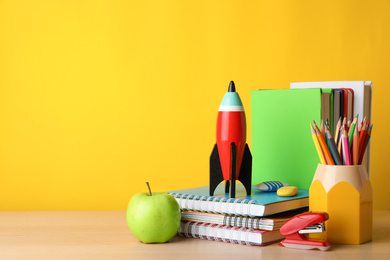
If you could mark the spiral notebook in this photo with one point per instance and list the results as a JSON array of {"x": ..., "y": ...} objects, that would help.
[
  {"x": 258, "y": 204},
  {"x": 234, "y": 235},
  {"x": 270, "y": 223}
]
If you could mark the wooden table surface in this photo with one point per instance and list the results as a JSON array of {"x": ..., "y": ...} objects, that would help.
[{"x": 105, "y": 235}]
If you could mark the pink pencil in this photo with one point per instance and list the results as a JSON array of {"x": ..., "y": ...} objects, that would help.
[{"x": 345, "y": 148}]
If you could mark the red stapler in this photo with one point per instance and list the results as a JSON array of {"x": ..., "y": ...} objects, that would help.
[{"x": 296, "y": 229}]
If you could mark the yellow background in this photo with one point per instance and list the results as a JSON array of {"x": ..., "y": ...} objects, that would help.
[{"x": 98, "y": 97}]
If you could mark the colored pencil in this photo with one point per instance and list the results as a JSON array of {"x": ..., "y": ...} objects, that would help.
[
  {"x": 349, "y": 144},
  {"x": 321, "y": 140},
  {"x": 333, "y": 148},
  {"x": 364, "y": 143},
  {"x": 317, "y": 130},
  {"x": 351, "y": 131},
  {"x": 361, "y": 124},
  {"x": 344, "y": 123},
  {"x": 317, "y": 145},
  {"x": 355, "y": 147},
  {"x": 336, "y": 132},
  {"x": 369, "y": 135},
  {"x": 345, "y": 148},
  {"x": 339, "y": 142},
  {"x": 362, "y": 140}
]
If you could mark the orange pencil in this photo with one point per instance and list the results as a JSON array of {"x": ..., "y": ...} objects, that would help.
[
  {"x": 317, "y": 130},
  {"x": 355, "y": 148},
  {"x": 362, "y": 140},
  {"x": 324, "y": 147}
]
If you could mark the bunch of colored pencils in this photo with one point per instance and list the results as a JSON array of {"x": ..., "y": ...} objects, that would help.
[{"x": 348, "y": 145}]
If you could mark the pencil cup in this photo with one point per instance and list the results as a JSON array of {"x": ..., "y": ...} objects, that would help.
[{"x": 345, "y": 193}]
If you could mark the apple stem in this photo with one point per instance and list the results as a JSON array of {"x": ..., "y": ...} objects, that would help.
[{"x": 150, "y": 191}]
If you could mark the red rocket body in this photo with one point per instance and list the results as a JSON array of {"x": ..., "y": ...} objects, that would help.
[{"x": 231, "y": 128}]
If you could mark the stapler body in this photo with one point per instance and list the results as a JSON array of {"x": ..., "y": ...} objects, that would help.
[{"x": 296, "y": 229}]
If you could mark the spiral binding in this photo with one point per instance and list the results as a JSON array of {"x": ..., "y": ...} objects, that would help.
[
  {"x": 242, "y": 221},
  {"x": 222, "y": 233},
  {"x": 221, "y": 205}
]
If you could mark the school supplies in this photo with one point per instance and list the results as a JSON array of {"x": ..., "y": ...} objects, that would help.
[
  {"x": 258, "y": 204},
  {"x": 307, "y": 223},
  {"x": 349, "y": 146},
  {"x": 349, "y": 98}
]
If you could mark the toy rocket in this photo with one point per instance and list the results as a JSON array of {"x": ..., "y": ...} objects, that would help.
[{"x": 231, "y": 159}]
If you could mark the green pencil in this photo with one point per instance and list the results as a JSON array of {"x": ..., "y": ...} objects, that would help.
[{"x": 351, "y": 130}]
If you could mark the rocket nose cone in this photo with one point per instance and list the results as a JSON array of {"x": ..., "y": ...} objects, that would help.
[{"x": 232, "y": 87}]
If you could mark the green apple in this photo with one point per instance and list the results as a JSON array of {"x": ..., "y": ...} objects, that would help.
[{"x": 153, "y": 217}]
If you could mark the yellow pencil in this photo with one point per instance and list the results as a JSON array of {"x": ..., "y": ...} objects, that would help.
[
  {"x": 337, "y": 131},
  {"x": 321, "y": 140},
  {"x": 317, "y": 145}
]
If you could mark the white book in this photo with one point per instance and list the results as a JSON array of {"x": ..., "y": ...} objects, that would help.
[{"x": 362, "y": 103}]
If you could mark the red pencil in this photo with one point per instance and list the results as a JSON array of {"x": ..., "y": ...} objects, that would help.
[{"x": 362, "y": 140}]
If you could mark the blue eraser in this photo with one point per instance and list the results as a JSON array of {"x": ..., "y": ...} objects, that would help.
[{"x": 270, "y": 185}]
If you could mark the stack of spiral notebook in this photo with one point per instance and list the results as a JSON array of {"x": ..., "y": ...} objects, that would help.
[{"x": 250, "y": 220}]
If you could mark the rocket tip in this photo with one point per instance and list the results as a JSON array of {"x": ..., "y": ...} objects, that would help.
[{"x": 232, "y": 87}]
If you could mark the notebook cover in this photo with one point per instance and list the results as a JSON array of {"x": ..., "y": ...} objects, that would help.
[
  {"x": 282, "y": 146},
  {"x": 336, "y": 108},
  {"x": 350, "y": 103},
  {"x": 340, "y": 104},
  {"x": 259, "y": 197}
]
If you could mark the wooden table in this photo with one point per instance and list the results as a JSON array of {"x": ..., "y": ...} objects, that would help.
[{"x": 104, "y": 235}]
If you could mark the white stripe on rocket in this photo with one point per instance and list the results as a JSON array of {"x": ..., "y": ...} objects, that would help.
[{"x": 231, "y": 108}]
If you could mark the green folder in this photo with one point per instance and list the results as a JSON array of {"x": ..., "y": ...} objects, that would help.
[{"x": 282, "y": 144}]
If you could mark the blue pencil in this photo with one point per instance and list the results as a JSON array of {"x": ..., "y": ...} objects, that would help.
[{"x": 333, "y": 148}]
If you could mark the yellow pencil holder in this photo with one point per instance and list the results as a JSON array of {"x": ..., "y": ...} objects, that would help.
[{"x": 345, "y": 193}]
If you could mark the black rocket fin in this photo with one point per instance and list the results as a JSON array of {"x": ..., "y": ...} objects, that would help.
[
  {"x": 245, "y": 176},
  {"x": 216, "y": 176}
]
